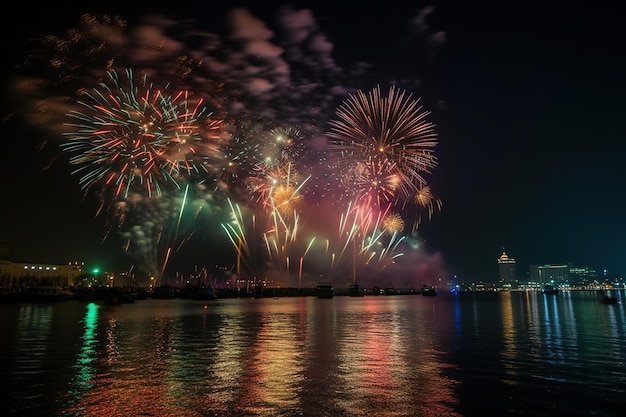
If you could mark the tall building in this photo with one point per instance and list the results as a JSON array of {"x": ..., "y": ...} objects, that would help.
[{"x": 506, "y": 267}]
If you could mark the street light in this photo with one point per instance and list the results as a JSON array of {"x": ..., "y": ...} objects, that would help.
[{"x": 95, "y": 273}]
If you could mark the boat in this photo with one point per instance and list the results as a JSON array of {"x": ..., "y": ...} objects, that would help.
[
  {"x": 549, "y": 290},
  {"x": 325, "y": 289},
  {"x": 355, "y": 290},
  {"x": 47, "y": 294},
  {"x": 429, "y": 290}
]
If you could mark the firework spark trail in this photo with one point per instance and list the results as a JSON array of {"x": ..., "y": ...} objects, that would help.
[
  {"x": 284, "y": 197},
  {"x": 182, "y": 209},
  {"x": 360, "y": 218},
  {"x": 281, "y": 197},
  {"x": 168, "y": 251},
  {"x": 280, "y": 240},
  {"x": 365, "y": 237},
  {"x": 371, "y": 236},
  {"x": 301, "y": 269},
  {"x": 353, "y": 225},
  {"x": 386, "y": 254},
  {"x": 237, "y": 233}
]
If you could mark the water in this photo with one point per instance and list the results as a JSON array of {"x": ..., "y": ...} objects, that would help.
[{"x": 473, "y": 354}]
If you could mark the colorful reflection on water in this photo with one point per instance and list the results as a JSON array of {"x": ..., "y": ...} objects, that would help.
[{"x": 529, "y": 354}]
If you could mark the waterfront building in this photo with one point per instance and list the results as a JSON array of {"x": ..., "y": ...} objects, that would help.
[
  {"x": 13, "y": 274},
  {"x": 582, "y": 276},
  {"x": 28, "y": 273},
  {"x": 506, "y": 266},
  {"x": 549, "y": 274}
]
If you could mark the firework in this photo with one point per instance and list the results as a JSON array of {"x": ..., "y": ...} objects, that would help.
[
  {"x": 426, "y": 199},
  {"x": 139, "y": 143},
  {"x": 277, "y": 187},
  {"x": 146, "y": 232},
  {"x": 285, "y": 144},
  {"x": 390, "y": 134},
  {"x": 371, "y": 182},
  {"x": 280, "y": 241},
  {"x": 362, "y": 245},
  {"x": 241, "y": 232},
  {"x": 393, "y": 223},
  {"x": 135, "y": 137},
  {"x": 238, "y": 159},
  {"x": 153, "y": 230}
]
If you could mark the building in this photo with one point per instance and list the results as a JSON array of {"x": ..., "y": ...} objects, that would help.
[
  {"x": 550, "y": 274},
  {"x": 15, "y": 274},
  {"x": 26, "y": 273},
  {"x": 582, "y": 276},
  {"x": 506, "y": 266}
]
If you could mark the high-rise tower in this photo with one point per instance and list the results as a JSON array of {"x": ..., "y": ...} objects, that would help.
[{"x": 506, "y": 266}]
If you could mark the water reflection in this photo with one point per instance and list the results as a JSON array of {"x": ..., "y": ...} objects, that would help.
[
  {"x": 398, "y": 356},
  {"x": 33, "y": 335},
  {"x": 273, "y": 367},
  {"x": 391, "y": 362},
  {"x": 509, "y": 351},
  {"x": 84, "y": 366}
]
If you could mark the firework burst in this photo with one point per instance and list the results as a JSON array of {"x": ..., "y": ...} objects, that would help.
[
  {"x": 389, "y": 133},
  {"x": 371, "y": 183},
  {"x": 239, "y": 159},
  {"x": 393, "y": 223},
  {"x": 286, "y": 143},
  {"x": 277, "y": 187},
  {"x": 135, "y": 137},
  {"x": 426, "y": 199}
]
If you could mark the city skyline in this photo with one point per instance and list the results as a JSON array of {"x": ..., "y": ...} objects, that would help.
[
  {"x": 511, "y": 115},
  {"x": 565, "y": 276}
]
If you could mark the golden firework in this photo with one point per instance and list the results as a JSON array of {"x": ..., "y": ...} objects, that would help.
[{"x": 393, "y": 223}]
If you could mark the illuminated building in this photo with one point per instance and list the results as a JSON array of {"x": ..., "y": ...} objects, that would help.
[
  {"x": 23, "y": 273},
  {"x": 550, "y": 274},
  {"x": 582, "y": 276},
  {"x": 506, "y": 266},
  {"x": 16, "y": 273}
]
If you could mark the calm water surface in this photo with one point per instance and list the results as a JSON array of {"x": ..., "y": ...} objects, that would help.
[{"x": 472, "y": 354}]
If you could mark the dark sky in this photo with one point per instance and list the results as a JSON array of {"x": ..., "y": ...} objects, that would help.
[{"x": 528, "y": 100}]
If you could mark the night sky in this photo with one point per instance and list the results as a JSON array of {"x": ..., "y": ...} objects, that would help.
[{"x": 528, "y": 102}]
